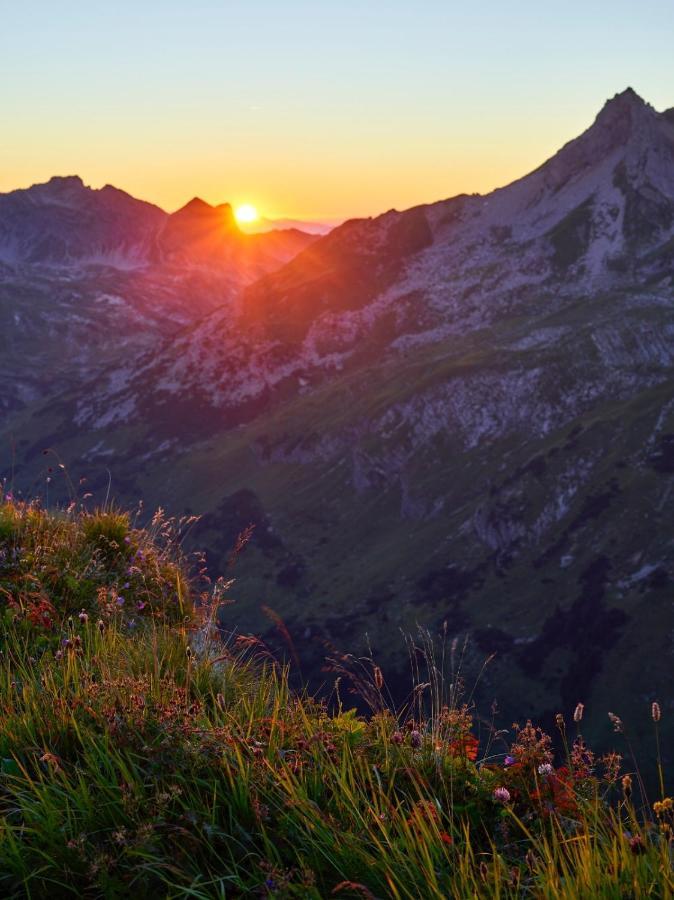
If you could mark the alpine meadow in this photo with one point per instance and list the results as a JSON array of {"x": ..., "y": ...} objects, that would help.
[{"x": 336, "y": 540}]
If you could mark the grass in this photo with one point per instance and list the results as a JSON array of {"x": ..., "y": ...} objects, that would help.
[{"x": 142, "y": 756}]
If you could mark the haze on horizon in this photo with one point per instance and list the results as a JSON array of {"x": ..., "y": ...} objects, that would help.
[{"x": 311, "y": 111}]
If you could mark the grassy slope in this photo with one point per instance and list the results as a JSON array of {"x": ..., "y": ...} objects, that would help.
[
  {"x": 362, "y": 569},
  {"x": 153, "y": 761},
  {"x": 366, "y": 565}
]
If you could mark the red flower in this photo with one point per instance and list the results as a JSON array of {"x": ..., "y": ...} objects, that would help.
[{"x": 465, "y": 746}]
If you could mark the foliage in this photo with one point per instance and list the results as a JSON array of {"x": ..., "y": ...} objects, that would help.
[
  {"x": 157, "y": 761},
  {"x": 79, "y": 563}
]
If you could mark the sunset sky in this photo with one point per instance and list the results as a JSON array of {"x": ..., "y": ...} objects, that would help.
[{"x": 313, "y": 109}]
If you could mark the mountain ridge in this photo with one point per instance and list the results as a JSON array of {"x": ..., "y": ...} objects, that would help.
[
  {"x": 461, "y": 413},
  {"x": 558, "y": 223}
]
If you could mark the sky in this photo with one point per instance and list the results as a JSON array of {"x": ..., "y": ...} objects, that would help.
[{"x": 319, "y": 110}]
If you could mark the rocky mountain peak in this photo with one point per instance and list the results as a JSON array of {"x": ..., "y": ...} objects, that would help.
[
  {"x": 623, "y": 115},
  {"x": 198, "y": 213},
  {"x": 65, "y": 181},
  {"x": 61, "y": 189}
]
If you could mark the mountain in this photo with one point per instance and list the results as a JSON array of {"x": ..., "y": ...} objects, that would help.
[
  {"x": 264, "y": 224},
  {"x": 78, "y": 265},
  {"x": 460, "y": 415},
  {"x": 63, "y": 222}
]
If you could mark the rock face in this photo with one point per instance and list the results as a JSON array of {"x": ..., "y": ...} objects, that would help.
[
  {"x": 460, "y": 415},
  {"x": 78, "y": 266}
]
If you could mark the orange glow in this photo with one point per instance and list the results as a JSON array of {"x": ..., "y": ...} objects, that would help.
[{"x": 246, "y": 214}]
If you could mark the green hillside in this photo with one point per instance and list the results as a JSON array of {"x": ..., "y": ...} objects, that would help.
[{"x": 141, "y": 756}]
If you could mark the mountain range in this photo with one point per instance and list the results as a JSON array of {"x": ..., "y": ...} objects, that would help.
[
  {"x": 87, "y": 275},
  {"x": 459, "y": 416}
]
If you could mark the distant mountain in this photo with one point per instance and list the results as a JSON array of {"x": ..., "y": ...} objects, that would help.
[
  {"x": 598, "y": 216},
  {"x": 79, "y": 265},
  {"x": 264, "y": 224},
  {"x": 63, "y": 221},
  {"x": 460, "y": 415}
]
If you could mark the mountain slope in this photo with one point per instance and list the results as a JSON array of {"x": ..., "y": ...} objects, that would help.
[
  {"x": 598, "y": 215},
  {"x": 78, "y": 266},
  {"x": 462, "y": 413}
]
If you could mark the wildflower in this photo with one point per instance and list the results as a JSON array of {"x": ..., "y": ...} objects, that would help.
[
  {"x": 446, "y": 838},
  {"x": 627, "y": 786},
  {"x": 354, "y": 887},
  {"x": 120, "y": 601},
  {"x": 140, "y": 606},
  {"x": 100, "y": 625},
  {"x": 559, "y": 721},
  {"x": 611, "y": 763},
  {"x": 50, "y": 760},
  {"x": 617, "y": 722},
  {"x": 466, "y": 746},
  {"x": 501, "y": 795},
  {"x": 545, "y": 769},
  {"x": 509, "y": 761},
  {"x": 655, "y": 711},
  {"x": 636, "y": 844},
  {"x": 58, "y": 654},
  {"x": 396, "y": 737},
  {"x": 415, "y": 740},
  {"x": 83, "y": 617},
  {"x": 378, "y": 678},
  {"x": 578, "y": 712}
]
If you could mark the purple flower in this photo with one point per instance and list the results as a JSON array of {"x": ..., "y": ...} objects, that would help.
[
  {"x": 141, "y": 604},
  {"x": 501, "y": 795},
  {"x": 509, "y": 761},
  {"x": 120, "y": 601}
]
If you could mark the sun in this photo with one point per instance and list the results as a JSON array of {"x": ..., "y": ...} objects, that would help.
[{"x": 246, "y": 213}]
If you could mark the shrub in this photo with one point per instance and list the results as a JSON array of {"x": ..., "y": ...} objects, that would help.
[{"x": 56, "y": 565}]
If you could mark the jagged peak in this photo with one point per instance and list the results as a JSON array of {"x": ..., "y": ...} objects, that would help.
[
  {"x": 627, "y": 97},
  {"x": 195, "y": 205},
  {"x": 66, "y": 180},
  {"x": 623, "y": 110},
  {"x": 199, "y": 211}
]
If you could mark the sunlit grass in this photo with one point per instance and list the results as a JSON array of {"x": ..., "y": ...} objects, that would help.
[{"x": 152, "y": 760}]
